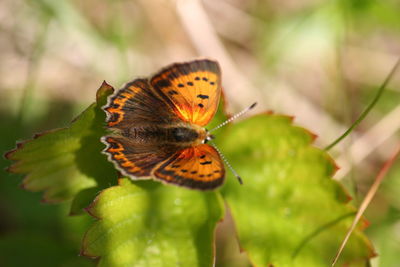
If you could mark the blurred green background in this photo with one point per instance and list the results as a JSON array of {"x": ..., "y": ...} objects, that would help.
[{"x": 320, "y": 61}]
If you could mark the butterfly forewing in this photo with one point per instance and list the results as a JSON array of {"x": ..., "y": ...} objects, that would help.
[
  {"x": 136, "y": 104},
  {"x": 133, "y": 159},
  {"x": 192, "y": 89}
]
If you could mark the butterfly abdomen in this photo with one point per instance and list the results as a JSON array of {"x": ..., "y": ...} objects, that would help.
[{"x": 167, "y": 135}]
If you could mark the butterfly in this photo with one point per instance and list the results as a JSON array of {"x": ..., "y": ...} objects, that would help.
[{"x": 157, "y": 126}]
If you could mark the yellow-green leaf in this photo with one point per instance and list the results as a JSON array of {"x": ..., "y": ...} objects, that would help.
[
  {"x": 150, "y": 224},
  {"x": 289, "y": 212},
  {"x": 62, "y": 162}
]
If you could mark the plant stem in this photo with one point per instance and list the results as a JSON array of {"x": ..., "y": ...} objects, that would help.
[{"x": 368, "y": 109}]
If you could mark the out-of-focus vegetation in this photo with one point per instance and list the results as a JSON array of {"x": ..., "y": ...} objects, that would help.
[{"x": 320, "y": 61}]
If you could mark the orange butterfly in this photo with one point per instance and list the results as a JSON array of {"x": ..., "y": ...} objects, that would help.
[{"x": 157, "y": 126}]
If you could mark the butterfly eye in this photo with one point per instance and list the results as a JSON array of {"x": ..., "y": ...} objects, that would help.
[{"x": 208, "y": 138}]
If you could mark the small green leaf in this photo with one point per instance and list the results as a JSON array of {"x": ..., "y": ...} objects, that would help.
[
  {"x": 63, "y": 162},
  {"x": 289, "y": 212},
  {"x": 150, "y": 224}
]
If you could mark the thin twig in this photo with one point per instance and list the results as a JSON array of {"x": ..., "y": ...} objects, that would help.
[{"x": 371, "y": 193}]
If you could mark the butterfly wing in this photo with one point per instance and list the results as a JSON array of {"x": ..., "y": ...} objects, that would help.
[
  {"x": 135, "y": 160},
  {"x": 196, "y": 167},
  {"x": 191, "y": 89},
  {"x": 137, "y": 104}
]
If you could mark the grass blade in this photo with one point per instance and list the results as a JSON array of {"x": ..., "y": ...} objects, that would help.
[{"x": 369, "y": 107}]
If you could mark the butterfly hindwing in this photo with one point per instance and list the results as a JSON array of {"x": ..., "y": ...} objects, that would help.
[
  {"x": 196, "y": 167},
  {"x": 137, "y": 104},
  {"x": 191, "y": 89},
  {"x": 135, "y": 160}
]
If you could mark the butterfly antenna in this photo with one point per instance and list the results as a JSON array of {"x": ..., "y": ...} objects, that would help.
[
  {"x": 234, "y": 117},
  {"x": 228, "y": 164}
]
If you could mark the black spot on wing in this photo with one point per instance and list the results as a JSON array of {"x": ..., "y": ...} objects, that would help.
[
  {"x": 163, "y": 83},
  {"x": 202, "y": 96}
]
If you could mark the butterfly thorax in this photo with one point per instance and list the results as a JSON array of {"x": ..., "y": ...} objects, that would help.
[{"x": 179, "y": 134}]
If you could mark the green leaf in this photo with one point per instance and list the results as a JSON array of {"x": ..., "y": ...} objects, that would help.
[
  {"x": 289, "y": 212},
  {"x": 146, "y": 223},
  {"x": 82, "y": 199},
  {"x": 63, "y": 162}
]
